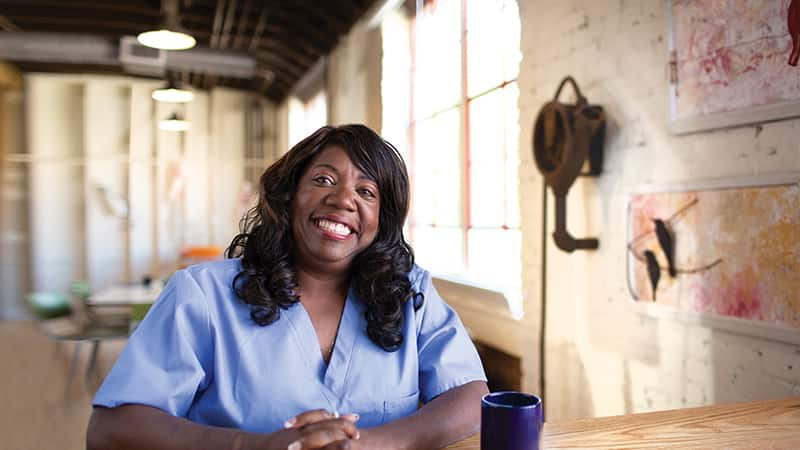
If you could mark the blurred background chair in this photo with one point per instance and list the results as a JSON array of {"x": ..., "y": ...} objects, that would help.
[
  {"x": 63, "y": 320},
  {"x": 199, "y": 253}
]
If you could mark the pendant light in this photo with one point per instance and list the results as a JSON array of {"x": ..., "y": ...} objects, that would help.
[
  {"x": 170, "y": 35},
  {"x": 173, "y": 93},
  {"x": 174, "y": 123}
]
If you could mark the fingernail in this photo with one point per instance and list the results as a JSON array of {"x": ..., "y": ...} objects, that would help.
[
  {"x": 352, "y": 417},
  {"x": 294, "y": 446},
  {"x": 358, "y": 434},
  {"x": 336, "y": 414},
  {"x": 289, "y": 423}
]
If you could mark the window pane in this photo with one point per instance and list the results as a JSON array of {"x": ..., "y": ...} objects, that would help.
[
  {"x": 512, "y": 55},
  {"x": 487, "y": 160},
  {"x": 316, "y": 112},
  {"x": 395, "y": 82},
  {"x": 437, "y": 175},
  {"x": 439, "y": 249},
  {"x": 484, "y": 46},
  {"x": 305, "y": 118},
  {"x": 437, "y": 71},
  {"x": 495, "y": 257},
  {"x": 511, "y": 109},
  {"x": 493, "y": 53}
]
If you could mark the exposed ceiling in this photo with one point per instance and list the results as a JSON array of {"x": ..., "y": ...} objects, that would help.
[{"x": 282, "y": 39}]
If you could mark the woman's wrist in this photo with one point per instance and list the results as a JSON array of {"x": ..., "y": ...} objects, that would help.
[{"x": 386, "y": 436}]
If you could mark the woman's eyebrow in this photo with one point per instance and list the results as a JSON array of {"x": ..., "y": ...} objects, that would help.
[
  {"x": 329, "y": 166},
  {"x": 361, "y": 176}
]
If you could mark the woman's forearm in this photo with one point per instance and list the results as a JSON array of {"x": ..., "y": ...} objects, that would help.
[
  {"x": 138, "y": 426},
  {"x": 448, "y": 418}
]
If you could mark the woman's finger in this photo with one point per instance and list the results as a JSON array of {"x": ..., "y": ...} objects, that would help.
[
  {"x": 309, "y": 417},
  {"x": 319, "y": 437},
  {"x": 332, "y": 427},
  {"x": 317, "y": 415}
]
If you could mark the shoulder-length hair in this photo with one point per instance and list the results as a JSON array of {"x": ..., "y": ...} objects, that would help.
[{"x": 379, "y": 274}]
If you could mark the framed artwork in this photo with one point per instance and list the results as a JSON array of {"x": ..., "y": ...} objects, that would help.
[
  {"x": 724, "y": 253},
  {"x": 729, "y": 64}
]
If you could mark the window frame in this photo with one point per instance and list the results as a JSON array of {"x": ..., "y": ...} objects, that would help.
[{"x": 464, "y": 141}]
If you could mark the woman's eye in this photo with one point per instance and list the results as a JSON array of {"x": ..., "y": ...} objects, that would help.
[
  {"x": 367, "y": 193},
  {"x": 326, "y": 180}
]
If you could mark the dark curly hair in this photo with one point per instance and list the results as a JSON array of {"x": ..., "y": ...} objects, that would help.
[{"x": 379, "y": 274}]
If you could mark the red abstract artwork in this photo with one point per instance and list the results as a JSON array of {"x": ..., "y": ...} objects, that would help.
[{"x": 730, "y": 56}]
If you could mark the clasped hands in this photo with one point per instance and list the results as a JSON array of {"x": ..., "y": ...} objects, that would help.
[{"x": 319, "y": 429}]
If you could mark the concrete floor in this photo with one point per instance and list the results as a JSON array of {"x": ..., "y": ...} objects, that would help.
[{"x": 38, "y": 411}]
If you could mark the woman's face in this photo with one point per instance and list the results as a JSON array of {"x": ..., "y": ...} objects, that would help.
[{"x": 334, "y": 212}]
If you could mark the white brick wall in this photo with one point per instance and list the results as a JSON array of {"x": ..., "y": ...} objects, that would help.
[{"x": 603, "y": 357}]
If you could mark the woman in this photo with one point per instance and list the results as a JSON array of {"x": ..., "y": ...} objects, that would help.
[{"x": 318, "y": 332}]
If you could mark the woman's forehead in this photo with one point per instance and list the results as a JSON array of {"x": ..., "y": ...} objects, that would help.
[{"x": 337, "y": 158}]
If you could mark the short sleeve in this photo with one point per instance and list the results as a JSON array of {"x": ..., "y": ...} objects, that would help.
[
  {"x": 447, "y": 357},
  {"x": 168, "y": 359}
]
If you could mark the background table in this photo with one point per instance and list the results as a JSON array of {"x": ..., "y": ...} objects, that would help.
[
  {"x": 124, "y": 295},
  {"x": 770, "y": 424}
]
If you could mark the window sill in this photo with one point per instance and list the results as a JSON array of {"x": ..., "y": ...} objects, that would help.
[{"x": 485, "y": 313}]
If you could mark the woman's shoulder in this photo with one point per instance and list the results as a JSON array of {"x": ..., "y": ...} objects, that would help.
[
  {"x": 418, "y": 277},
  {"x": 209, "y": 285},
  {"x": 219, "y": 270}
]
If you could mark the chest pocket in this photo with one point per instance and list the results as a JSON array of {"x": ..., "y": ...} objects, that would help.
[
  {"x": 402, "y": 407},
  {"x": 382, "y": 412}
]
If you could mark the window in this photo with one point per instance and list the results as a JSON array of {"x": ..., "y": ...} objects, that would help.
[
  {"x": 306, "y": 117},
  {"x": 452, "y": 70}
]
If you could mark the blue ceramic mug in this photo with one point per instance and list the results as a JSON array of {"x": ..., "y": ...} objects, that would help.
[{"x": 511, "y": 421}]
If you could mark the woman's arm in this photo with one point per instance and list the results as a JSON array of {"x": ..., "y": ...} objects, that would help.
[
  {"x": 448, "y": 418},
  {"x": 138, "y": 427}
]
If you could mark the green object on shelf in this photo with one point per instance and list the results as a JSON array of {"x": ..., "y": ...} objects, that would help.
[
  {"x": 139, "y": 311},
  {"x": 49, "y": 305},
  {"x": 80, "y": 289},
  {"x": 137, "y": 314}
]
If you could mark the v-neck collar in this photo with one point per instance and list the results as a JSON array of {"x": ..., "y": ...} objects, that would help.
[{"x": 332, "y": 376}]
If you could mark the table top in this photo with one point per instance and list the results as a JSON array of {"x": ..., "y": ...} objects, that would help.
[
  {"x": 768, "y": 424},
  {"x": 124, "y": 295}
]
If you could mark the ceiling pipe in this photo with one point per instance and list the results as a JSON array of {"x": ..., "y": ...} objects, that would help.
[
  {"x": 239, "y": 39},
  {"x": 215, "y": 30},
  {"x": 262, "y": 23},
  {"x": 227, "y": 24},
  {"x": 69, "y": 48}
]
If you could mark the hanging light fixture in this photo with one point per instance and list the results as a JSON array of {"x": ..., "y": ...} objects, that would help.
[
  {"x": 174, "y": 123},
  {"x": 173, "y": 93},
  {"x": 170, "y": 35}
]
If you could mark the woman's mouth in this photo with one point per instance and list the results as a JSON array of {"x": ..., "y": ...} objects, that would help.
[{"x": 338, "y": 229}]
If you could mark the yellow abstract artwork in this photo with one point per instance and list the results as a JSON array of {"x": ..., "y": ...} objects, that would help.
[{"x": 734, "y": 252}]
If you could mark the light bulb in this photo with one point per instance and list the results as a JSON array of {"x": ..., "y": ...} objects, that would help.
[
  {"x": 166, "y": 40},
  {"x": 172, "y": 95}
]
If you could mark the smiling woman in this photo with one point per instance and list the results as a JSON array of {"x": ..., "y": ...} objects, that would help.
[
  {"x": 318, "y": 331},
  {"x": 348, "y": 177}
]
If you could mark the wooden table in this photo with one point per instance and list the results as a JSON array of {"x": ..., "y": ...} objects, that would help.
[
  {"x": 124, "y": 295},
  {"x": 770, "y": 424}
]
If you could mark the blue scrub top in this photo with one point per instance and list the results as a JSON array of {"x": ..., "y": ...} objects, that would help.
[{"x": 198, "y": 354}]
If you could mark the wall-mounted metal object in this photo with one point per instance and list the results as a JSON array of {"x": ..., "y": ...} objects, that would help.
[{"x": 564, "y": 137}]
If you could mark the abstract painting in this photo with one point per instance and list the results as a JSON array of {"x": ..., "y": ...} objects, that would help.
[
  {"x": 732, "y": 252},
  {"x": 729, "y": 63}
]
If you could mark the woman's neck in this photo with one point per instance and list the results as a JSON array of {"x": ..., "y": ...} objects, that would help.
[{"x": 314, "y": 285}]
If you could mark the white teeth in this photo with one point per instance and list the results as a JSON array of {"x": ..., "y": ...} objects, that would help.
[{"x": 333, "y": 227}]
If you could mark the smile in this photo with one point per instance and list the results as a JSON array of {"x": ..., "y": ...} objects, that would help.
[{"x": 336, "y": 228}]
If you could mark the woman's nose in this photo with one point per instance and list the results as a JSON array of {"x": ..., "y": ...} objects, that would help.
[{"x": 343, "y": 197}]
